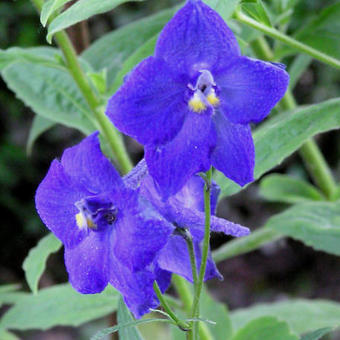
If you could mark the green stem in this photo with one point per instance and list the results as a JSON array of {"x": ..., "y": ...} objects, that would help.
[
  {"x": 205, "y": 249},
  {"x": 106, "y": 128},
  {"x": 272, "y": 32},
  {"x": 243, "y": 245},
  {"x": 190, "y": 245},
  {"x": 183, "y": 289},
  {"x": 309, "y": 151},
  {"x": 181, "y": 324}
]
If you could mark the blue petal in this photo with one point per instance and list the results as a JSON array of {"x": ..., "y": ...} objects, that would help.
[
  {"x": 250, "y": 88},
  {"x": 234, "y": 154},
  {"x": 196, "y": 38},
  {"x": 141, "y": 232},
  {"x": 86, "y": 164},
  {"x": 173, "y": 164},
  {"x": 174, "y": 258},
  {"x": 136, "y": 287},
  {"x": 151, "y": 105},
  {"x": 55, "y": 199},
  {"x": 134, "y": 178},
  {"x": 89, "y": 263}
]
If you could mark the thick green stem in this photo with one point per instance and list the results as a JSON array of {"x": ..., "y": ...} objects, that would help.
[
  {"x": 181, "y": 324},
  {"x": 309, "y": 151},
  {"x": 106, "y": 128},
  {"x": 205, "y": 249},
  {"x": 272, "y": 32}
]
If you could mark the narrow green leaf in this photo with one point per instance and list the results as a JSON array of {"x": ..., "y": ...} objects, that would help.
[
  {"x": 257, "y": 10},
  {"x": 301, "y": 315},
  {"x": 315, "y": 224},
  {"x": 286, "y": 189},
  {"x": 9, "y": 288},
  {"x": 80, "y": 11},
  {"x": 6, "y": 335},
  {"x": 50, "y": 92},
  {"x": 265, "y": 328},
  {"x": 322, "y": 33},
  {"x": 49, "y": 7},
  {"x": 316, "y": 335},
  {"x": 35, "y": 262},
  {"x": 282, "y": 136},
  {"x": 39, "y": 126},
  {"x": 112, "y": 50},
  {"x": 59, "y": 305},
  {"x": 124, "y": 317},
  {"x": 10, "y": 298}
]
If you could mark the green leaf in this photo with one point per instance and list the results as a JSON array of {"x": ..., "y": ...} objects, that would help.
[
  {"x": 316, "y": 335},
  {"x": 80, "y": 11},
  {"x": 112, "y": 50},
  {"x": 6, "y": 335},
  {"x": 218, "y": 313},
  {"x": 257, "y": 10},
  {"x": 315, "y": 224},
  {"x": 35, "y": 262},
  {"x": 265, "y": 328},
  {"x": 49, "y": 7},
  {"x": 224, "y": 8},
  {"x": 301, "y": 315},
  {"x": 322, "y": 33},
  {"x": 39, "y": 126},
  {"x": 9, "y": 288},
  {"x": 286, "y": 189},
  {"x": 141, "y": 53},
  {"x": 296, "y": 69},
  {"x": 10, "y": 298},
  {"x": 123, "y": 317},
  {"x": 59, "y": 305},
  {"x": 283, "y": 135},
  {"x": 50, "y": 92},
  {"x": 42, "y": 55}
]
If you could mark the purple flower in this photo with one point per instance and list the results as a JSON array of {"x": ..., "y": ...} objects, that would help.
[
  {"x": 110, "y": 233},
  {"x": 191, "y": 104},
  {"x": 185, "y": 211}
]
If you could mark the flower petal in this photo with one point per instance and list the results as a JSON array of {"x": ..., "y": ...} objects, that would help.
[
  {"x": 141, "y": 232},
  {"x": 172, "y": 164},
  {"x": 136, "y": 287},
  {"x": 89, "y": 264},
  {"x": 150, "y": 106},
  {"x": 174, "y": 258},
  {"x": 250, "y": 88},
  {"x": 55, "y": 202},
  {"x": 196, "y": 38},
  {"x": 234, "y": 154},
  {"x": 86, "y": 164}
]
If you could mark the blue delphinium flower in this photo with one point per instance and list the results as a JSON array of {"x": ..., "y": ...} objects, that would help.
[
  {"x": 192, "y": 102},
  {"x": 110, "y": 233},
  {"x": 185, "y": 211}
]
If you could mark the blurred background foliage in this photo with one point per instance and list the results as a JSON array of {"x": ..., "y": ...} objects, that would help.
[{"x": 283, "y": 268}]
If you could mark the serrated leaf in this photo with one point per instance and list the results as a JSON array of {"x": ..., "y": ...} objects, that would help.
[
  {"x": 280, "y": 137},
  {"x": 80, "y": 11},
  {"x": 50, "y": 92},
  {"x": 315, "y": 224},
  {"x": 112, "y": 50},
  {"x": 316, "y": 335},
  {"x": 301, "y": 315},
  {"x": 59, "y": 305},
  {"x": 49, "y": 7},
  {"x": 265, "y": 328},
  {"x": 39, "y": 126},
  {"x": 35, "y": 262},
  {"x": 322, "y": 33},
  {"x": 286, "y": 189}
]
